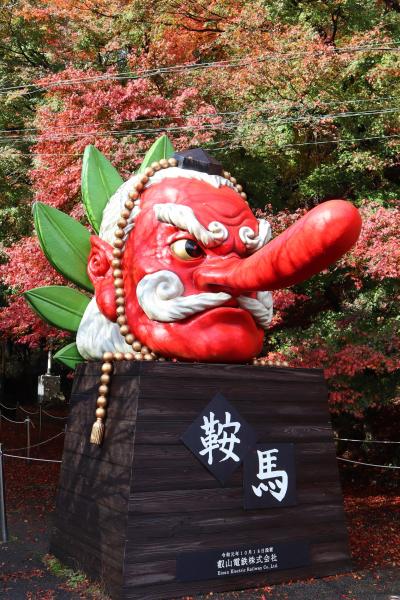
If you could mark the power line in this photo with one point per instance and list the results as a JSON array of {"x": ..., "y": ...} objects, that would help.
[
  {"x": 212, "y": 146},
  {"x": 340, "y": 141},
  {"x": 139, "y": 120},
  {"x": 223, "y": 126},
  {"x": 178, "y": 68},
  {"x": 119, "y": 133},
  {"x": 314, "y": 143},
  {"x": 202, "y": 116},
  {"x": 232, "y": 146}
]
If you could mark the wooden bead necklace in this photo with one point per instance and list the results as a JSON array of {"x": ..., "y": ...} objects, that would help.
[{"x": 139, "y": 351}]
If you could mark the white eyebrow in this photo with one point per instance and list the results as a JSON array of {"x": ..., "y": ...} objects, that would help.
[
  {"x": 255, "y": 241},
  {"x": 183, "y": 217}
]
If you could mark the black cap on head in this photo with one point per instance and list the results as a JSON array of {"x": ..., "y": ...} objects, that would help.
[{"x": 198, "y": 160}]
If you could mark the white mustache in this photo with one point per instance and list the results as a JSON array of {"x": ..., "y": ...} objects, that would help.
[
  {"x": 160, "y": 296},
  {"x": 260, "y": 307}
]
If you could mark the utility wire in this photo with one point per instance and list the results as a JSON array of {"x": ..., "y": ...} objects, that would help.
[
  {"x": 314, "y": 143},
  {"x": 265, "y": 107},
  {"x": 340, "y": 141},
  {"x": 224, "y": 126},
  {"x": 210, "y": 146},
  {"x": 233, "y": 146},
  {"x": 178, "y": 68},
  {"x": 201, "y": 117},
  {"x": 119, "y": 133}
]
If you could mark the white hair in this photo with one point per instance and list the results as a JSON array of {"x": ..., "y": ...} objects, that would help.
[
  {"x": 116, "y": 203},
  {"x": 183, "y": 217},
  {"x": 159, "y": 296}
]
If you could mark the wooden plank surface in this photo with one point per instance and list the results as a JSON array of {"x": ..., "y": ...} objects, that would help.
[
  {"x": 176, "y": 505},
  {"x": 93, "y": 495},
  {"x": 132, "y": 506}
]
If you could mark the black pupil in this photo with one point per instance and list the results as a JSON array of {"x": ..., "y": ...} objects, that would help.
[{"x": 193, "y": 249}]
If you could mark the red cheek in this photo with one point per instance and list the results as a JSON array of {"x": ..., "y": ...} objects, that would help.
[{"x": 105, "y": 298}]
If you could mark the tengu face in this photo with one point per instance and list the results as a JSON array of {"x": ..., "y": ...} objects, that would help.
[
  {"x": 197, "y": 268},
  {"x": 166, "y": 305}
]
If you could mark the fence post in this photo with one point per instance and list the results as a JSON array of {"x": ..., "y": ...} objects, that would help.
[
  {"x": 28, "y": 438},
  {"x": 3, "y": 516},
  {"x": 40, "y": 422}
]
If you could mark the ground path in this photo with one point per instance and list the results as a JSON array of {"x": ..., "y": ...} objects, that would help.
[
  {"x": 24, "y": 576},
  {"x": 372, "y": 511}
]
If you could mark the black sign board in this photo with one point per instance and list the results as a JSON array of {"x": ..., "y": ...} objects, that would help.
[
  {"x": 244, "y": 561},
  {"x": 220, "y": 438},
  {"x": 269, "y": 476}
]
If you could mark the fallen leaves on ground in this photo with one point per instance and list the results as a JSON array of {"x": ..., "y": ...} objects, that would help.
[
  {"x": 21, "y": 575},
  {"x": 374, "y": 527},
  {"x": 373, "y": 512}
]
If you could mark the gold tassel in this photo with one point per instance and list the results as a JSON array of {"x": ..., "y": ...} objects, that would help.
[{"x": 97, "y": 435}]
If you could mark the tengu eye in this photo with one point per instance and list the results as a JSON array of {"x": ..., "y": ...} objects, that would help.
[{"x": 186, "y": 249}]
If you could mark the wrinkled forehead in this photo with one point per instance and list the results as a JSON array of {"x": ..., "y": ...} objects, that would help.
[{"x": 208, "y": 203}]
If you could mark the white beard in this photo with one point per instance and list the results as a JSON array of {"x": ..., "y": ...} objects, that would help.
[
  {"x": 97, "y": 334},
  {"x": 160, "y": 297}
]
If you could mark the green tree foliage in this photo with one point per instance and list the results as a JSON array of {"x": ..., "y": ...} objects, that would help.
[{"x": 304, "y": 107}]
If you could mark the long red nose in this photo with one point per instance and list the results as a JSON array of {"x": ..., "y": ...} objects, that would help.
[{"x": 309, "y": 246}]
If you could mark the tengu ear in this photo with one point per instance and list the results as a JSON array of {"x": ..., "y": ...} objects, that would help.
[
  {"x": 100, "y": 274},
  {"x": 100, "y": 257}
]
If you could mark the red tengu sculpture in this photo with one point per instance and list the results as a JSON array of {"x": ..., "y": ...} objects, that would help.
[{"x": 183, "y": 267}]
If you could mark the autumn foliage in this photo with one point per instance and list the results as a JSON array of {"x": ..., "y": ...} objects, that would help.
[{"x": 298, "y": 100}]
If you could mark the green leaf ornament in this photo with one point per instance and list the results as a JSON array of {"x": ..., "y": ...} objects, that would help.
[
  {"x": 162, "y": 148},
  {"x": 99, "y": 182},
  {"x": 65, "y": 243},
  {"x": 59, "y": 305},
  {"x": 69, "y": 356}
]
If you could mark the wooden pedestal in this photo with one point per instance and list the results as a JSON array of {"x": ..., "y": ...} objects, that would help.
[{"x": 127, "y": 510}]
